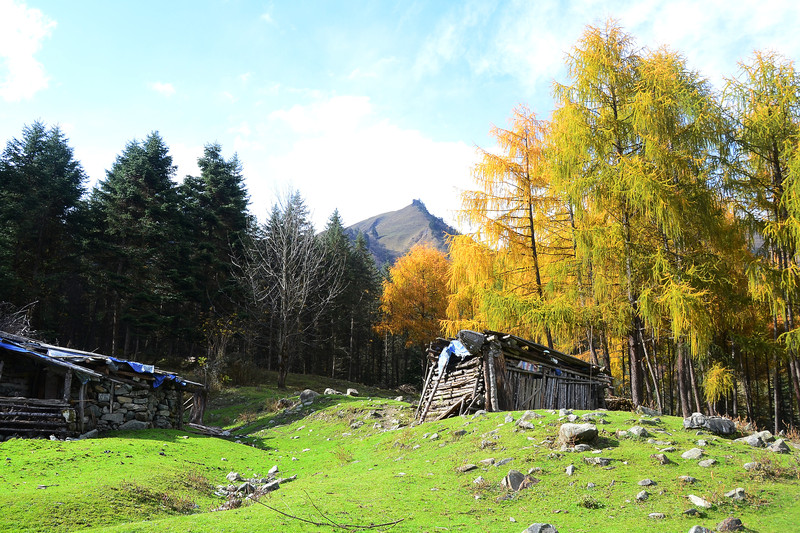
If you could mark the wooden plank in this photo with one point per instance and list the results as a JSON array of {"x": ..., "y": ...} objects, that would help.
[{"x": 67, "y": 385}]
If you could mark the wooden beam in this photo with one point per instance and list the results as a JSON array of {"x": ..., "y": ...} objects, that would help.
[{"x": 67, "y": 385}]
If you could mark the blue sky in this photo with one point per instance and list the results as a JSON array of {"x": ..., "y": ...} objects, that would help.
[{"x": 361, "y": 105}]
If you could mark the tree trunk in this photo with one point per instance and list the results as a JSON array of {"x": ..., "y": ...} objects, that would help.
[{"x": 683, "y": 393}]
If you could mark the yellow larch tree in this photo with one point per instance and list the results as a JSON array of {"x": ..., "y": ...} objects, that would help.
[{"x": 414, "y": 297}]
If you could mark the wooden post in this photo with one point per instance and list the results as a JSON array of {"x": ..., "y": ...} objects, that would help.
[
  {"x": 111, "y": 399},
  {"x": 67, "y": 385},
  {"x": 1, "y": 368},
  {"x": 82, "y": 399},
  {"x": 492, "y": 379}
]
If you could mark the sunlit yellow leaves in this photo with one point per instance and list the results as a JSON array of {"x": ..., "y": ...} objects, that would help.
[{"x": 414, "y": 297}]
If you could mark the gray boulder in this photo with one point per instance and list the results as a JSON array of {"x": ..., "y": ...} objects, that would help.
[
  {"x": 639, "y": 431},
  {"x": 577, "y": 433},
  {"x": 352, "y": 392},
  {"x": 779, "y": 446},
  {"x": 730, "y": 524},
  {"x": 719, "y": 425},
  {"x": 308, "y": 395},
  {"x": 699, "y": 529},
  {"x": 330, "y": 391}
]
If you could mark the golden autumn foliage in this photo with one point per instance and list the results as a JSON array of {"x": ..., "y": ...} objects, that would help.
[{"x": 415, "y": 295}]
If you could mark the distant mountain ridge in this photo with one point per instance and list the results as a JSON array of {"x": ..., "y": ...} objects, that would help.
[{"x": 390, "y": 235}]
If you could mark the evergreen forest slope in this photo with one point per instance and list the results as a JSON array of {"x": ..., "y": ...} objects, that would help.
[
  {"x": 390, "y": 235},
  {"x": 359, "y": 461}
]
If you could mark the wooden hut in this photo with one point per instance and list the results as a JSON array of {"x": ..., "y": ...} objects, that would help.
[
  {"x": 49, "y": 390},
  {"x": 501, "y": 372}
]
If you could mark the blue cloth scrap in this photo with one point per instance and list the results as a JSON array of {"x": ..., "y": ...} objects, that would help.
[{"x": 455, "y": 348}]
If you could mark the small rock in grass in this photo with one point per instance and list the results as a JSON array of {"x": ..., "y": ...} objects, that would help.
[
  {"x": 730, "y": 524},
  {"x": 642, "y": 496},
  {"x": 687, "y": 479},
  {"x": 657, "y": 516},
  {"x": 540, "y": 528},
  {"x": 570, "y": 470},
  {"x": 779, "y": 446},
  {"x": 706, "y": 463},
  {"x": 699, "y": 529},
  {"x": 736, "y": 494},
  {"x": 466, "y": 468},
  {"x": 694, "y": 453},
  {"x": 661, "y": 458},
  {"x": 233, "y": 476},
  {"x": 699, "y": 502},
  {"x": 691, "y": 512},
  {"x": 487, "y": 462},
  {"x": 639, "y": 431},
  {"x": 647, "y": 483}
]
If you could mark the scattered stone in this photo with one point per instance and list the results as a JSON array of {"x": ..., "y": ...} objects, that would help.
[
  {"x": 564, "y": 412},
  {"x": 699, "y": 529},
  {"x": 597, "y": 461},
  {"x": 753, "y": 440},
  {"x": 582, "y": 448},
  {"x": 540, "y": 528},
  {"x": 657, "y": 516},
  {"x": 466, "y": 468},
  {"x": 505, "y": 461},
  {"x": 730, "y": 524},
  {"x": 668, "y": 449},
  {"x": 398, "y": 399},
  {"x": 487, "y": 462},
  {"x": 691, "y": 512},
  {"x": 639, "y": 431},
  {"x": 663, "y": 459},
  {"x": 352, "y": 392},
  {"x": 736, "y": 494},
  {"x": 330, "y": 391},
  {"x": 752, "y": 466},
  {"x": 577, "y": 433},
  {"x": 699, "y": 502},
  {"x": 779, "y": 446},
  {"x": 694, "y": 453},
  {"x": 687, "y": 479},
  {"x": 642, "y": 410},
  {"x": 434, "y": 436},
  {"x": 570, "y": 470},
  {"x": 718, "y": 425},
  {"x": 233, "y": 476},
  {"x": 642, "y": 496},
  {"x": 702, "y": 443},
  {"x": 516, "y": 481},
  {"x": 509, "y": 419},
  {"x": 647, "y": 483},
  {"x": 478, "y": 480},
  {"x": 590, "y": 485},
  {"x": 460, "y": 433},
  {"x": 706, "y": 463}
]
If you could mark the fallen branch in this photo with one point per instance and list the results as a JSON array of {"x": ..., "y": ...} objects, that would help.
[{"x": 330, "y": 522}]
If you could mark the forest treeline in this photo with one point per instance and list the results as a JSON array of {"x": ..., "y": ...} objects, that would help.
[
  {"x": 651, "y": 224},
  {"x": 152, "y": 269}
]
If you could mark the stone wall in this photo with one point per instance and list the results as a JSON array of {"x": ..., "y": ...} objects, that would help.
[{"x": 112, "y": 406}]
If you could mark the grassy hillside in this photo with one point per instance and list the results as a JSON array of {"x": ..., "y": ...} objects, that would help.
[{"x": 358, "y": 462}]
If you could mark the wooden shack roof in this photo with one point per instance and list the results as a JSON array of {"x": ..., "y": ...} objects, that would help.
[{"x": 89, "y": 365}]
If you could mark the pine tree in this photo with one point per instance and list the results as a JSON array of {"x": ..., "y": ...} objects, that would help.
[{"x": 41, "y": 185}]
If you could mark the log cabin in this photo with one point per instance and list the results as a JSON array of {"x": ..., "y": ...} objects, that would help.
[
  {"x": 50, "y": 390},
  {"x": 496, "y": 371}
]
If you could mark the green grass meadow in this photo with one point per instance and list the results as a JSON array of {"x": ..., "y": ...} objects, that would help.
[{"x": 359, "y": 463}]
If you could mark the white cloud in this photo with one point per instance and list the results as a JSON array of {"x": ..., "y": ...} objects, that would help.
[
  {"x": 165, "y": 89},
  {"x": 185, "y": 157},
  {"x": 332, "y": 116},
  {"x": 348, "y": 158},
  {"x": 22, "y": 31},
  {"x": 529, "y": 40}
]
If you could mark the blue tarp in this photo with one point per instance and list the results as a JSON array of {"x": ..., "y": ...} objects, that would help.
[{"x": 454, "y": 348}]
